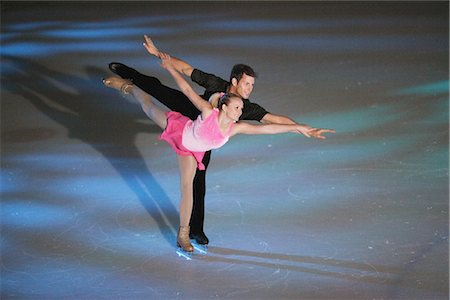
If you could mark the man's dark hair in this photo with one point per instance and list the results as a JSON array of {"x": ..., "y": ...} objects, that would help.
[{"x": 239, "y": 70}]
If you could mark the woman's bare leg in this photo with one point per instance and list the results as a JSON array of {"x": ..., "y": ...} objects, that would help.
[
  {"x": 187, "y": 166},
  {"x": 155, "y": 113}
]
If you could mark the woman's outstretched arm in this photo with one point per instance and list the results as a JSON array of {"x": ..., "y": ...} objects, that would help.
[{"x": 245, "y": 128}]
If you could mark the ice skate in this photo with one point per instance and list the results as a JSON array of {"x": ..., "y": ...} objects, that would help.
[
  {"x": 183, "y": 240},
  {"x": 117, "y": 83}
]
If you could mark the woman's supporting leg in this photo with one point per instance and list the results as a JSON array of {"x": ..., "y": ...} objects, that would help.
[{"x": 187, "y": 165}]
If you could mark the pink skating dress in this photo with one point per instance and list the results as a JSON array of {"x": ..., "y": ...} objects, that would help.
[{"x": 187, "y": 137}]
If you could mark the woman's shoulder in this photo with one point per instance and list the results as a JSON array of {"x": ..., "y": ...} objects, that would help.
[{"x": 205, "y": 116}]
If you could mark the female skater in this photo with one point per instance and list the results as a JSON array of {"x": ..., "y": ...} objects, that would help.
[{"x": 190, "y": 139}]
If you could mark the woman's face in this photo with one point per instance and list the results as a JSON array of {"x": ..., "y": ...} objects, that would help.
[{"x": 234, "y": 108}]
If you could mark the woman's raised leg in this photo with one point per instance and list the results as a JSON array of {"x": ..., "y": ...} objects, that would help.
[{"x": 155, "y": 113}]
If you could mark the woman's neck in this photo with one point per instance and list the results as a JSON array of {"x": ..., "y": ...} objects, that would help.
[{"x": 224, "y": 120}]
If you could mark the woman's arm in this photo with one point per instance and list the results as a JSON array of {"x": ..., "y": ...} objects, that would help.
[
  {"x": 245, "y": 128},
  {"x": 180, "y": 65},
  {"x": 202, "y": 105}
]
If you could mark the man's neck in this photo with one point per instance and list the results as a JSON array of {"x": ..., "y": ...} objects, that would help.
[{"x": 232, "y": 90}]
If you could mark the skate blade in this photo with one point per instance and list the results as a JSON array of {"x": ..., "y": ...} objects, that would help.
[
  {"x": 184, "y": 254},
  {"x": 202, "y": 249}
]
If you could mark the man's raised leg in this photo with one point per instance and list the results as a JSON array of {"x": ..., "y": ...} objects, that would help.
[{"x": 174, "y": 99}]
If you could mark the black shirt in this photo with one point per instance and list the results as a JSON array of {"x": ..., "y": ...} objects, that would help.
[{"x": 214, "y": 84}]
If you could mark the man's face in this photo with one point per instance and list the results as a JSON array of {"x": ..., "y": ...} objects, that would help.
[{"x": 244, "y": 87}]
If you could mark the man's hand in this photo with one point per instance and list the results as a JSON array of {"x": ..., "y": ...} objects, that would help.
[{"x": 151, "y": 48}]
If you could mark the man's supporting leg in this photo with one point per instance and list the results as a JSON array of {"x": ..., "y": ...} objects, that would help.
[{"x": 198, "y": 209}]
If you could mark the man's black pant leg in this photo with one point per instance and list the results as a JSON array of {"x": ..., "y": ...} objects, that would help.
[
  {"x": 198, "y": 209},
  {"x": 173, "y": 99}
]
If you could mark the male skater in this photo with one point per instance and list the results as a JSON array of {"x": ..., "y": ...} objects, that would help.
[{"x": 241, "y": 82}]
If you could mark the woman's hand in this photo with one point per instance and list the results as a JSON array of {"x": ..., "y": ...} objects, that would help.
[
  {"x": 304, "y": 129},
  {"x": 166, "y": 62}
]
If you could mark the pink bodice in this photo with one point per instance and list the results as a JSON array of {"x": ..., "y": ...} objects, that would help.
[{"x": 203, "y": 135}]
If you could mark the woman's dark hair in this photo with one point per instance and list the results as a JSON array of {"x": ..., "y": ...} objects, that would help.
[
  {"x": 225, "y": 99},
  {"x": 239, "y": 70}
]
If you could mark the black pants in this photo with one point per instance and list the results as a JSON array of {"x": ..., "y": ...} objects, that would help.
[{"x": 175, "y": 100}]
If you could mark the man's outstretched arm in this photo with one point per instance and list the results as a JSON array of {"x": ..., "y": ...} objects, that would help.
[
  {"x": 304, "y": 129},
  {"x": 276, "y": 119},
  {"x": 180, "y": 65}
]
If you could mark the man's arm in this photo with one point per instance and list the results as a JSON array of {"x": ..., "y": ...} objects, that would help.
[
  {"x": 304, "y": 129},
  {"x": 180, "y": 65},
  {"x": 210, "y": 82},
  {"x": 276, "y": 119}
]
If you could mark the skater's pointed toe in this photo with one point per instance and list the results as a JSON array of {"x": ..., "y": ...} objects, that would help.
[
  {"x": 122, "y": 70},
  {"x": 114, "y": 66},
  {"x": 118, "y": 83}
]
